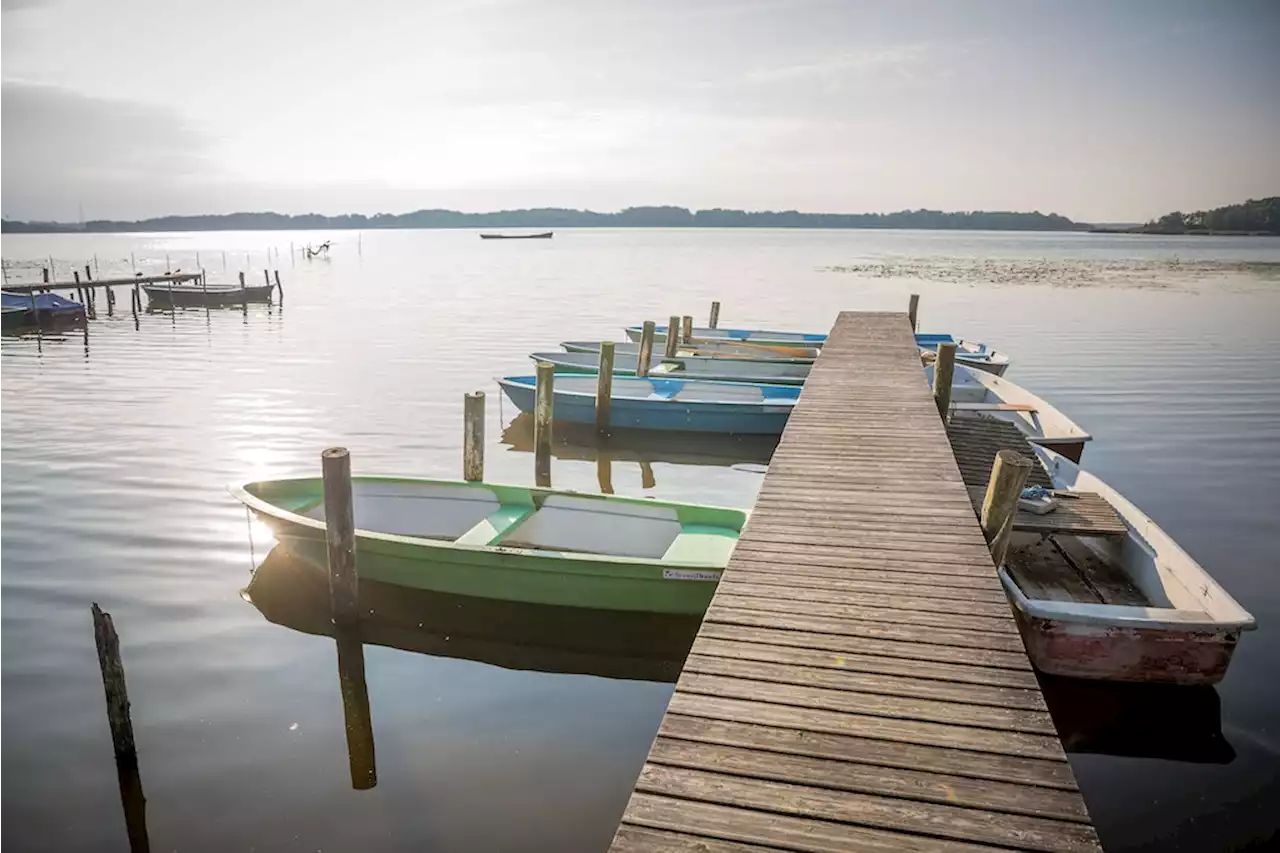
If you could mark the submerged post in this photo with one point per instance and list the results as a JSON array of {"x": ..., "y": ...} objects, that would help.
[
  {"x": 473, "y": 437},
  {"x": 714, "y": 320},
  {"x": 1008, "y": 477},
  {"x": 686, "y": 330},
  {"x": 542, "y": 417},
  {"x": 673, "y": 336},
  {"x": 113, "y": 683},
  {"x": 604, "y": 387},
  {"x": 943, "y": 370},
  {"x": 645, "y": 355},
  {"x": 913, "y": 307},
  {"x": 340, "y": 535}
]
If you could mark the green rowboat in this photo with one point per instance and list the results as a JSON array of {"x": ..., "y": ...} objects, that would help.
[{"x": 513, "y": 542}]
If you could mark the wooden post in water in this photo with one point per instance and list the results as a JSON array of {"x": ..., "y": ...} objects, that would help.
[
  {"x": 543, "y": 414},
  {"x": 224, "y": 260},
  {"x": 673, "y": 336},
  {"x": 44, "y": 271},
  {"x": 714, "y": 321},
  {"x": 340, "y": 535},
  {"x": 279, "y": 287},
  {"x": 95, "y": 264},
  {"x": 355, "y": 710},
  {"x": 244, "y": 294},
  {"x": 88, "y": 275},
  {"x": 686, "y": 330},
  {"x": 133, "y": 264},
  {"x": 645, "y": 355},
  {"x": 79, "y": 290},
  {"x": 604, "y": 387},
  {"x": 943, "y": 370},
  {"x": 913, "y": 308},
  {"x": 473, "y": 437},
  {"x": 1008, "y": 477},
  {"x": 113, "y": 683}
]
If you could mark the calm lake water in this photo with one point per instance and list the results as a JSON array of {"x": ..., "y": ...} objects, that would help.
[{"x": 119, "y": 443}]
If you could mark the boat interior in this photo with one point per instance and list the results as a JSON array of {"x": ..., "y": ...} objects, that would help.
[
  {"x": 680, "y": 390},
  {"x": 514, "y": 517}
]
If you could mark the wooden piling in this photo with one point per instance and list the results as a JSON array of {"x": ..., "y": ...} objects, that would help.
[
  {"x": 645, "y": 355},
  {"x": 686, "y": 330},
  {"x": 1008, "y": 477},
  {"x": 44, "y": 271},
  {"x": 913, "y": 307},
  {"x": 355, "y": 710},
  {"x": 543, "y": 413},
  {"x": 279, "y": 287},
  {"x": 714, "y": 321},
  {"x": 943, "y": 370},
  {"x": 118, "y": 720},
  {"x": 473, "y": 437},
  {"x": 224, "y": 260},
  {"x": 604, "y": 387},
  {"x": 88, "y": 274},
  {"x": 673, "y": 336},
  {"x": 244, "y": 294},
  {"x": 132, "y": 263},
  {"x": 340, "y": 535}
]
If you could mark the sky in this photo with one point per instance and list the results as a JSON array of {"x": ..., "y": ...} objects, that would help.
[{"x": 1101, "y": 110}]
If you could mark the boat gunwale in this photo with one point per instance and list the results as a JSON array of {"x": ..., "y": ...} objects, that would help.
[
  {"x": 518, "y": 382},
  {"x": 262, "y": 506}
]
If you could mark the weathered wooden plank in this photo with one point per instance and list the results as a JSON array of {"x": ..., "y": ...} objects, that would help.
[
  {"x": 978, "y": 632},
  {"x": 948, "y": 822},
  {"x": 853, "y": 775},
  {"x": 779, "y": 831},
  {"x": 867, "y": 581},
  {"x": 642, "y": 839},
  {"x": 902, "y": 598}
]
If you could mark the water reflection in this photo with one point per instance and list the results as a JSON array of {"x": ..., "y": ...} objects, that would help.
[
  {"x": 581, "y": 442},
  {"x": 513, "y": 635},
  {"x": 1171, "y": 722}
]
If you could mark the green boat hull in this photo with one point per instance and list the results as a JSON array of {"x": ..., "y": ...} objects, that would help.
[{"x": 683, "y": 583}]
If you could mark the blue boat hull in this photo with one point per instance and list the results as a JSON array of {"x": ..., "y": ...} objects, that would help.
[{"x": 625, "y": 413}]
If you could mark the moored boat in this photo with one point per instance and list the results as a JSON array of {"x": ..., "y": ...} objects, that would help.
[
  {"x": 43, "y": 309},
  {"x": 979, "y": 393},
  {"x": 685, "y": 367},
  {"x": 514, "y": 543},
  {"x": 1131, "y": 607},
  {"x": 545, "y": 235},
  {"x": 972, "y": 353},
  {"x": 710, "y": 349},
  {"x": 691, "y": 405},
  {"x": 189, "y": 295}
]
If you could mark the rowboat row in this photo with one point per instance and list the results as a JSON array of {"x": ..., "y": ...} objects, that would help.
[{"x": 1111, "y": 599}]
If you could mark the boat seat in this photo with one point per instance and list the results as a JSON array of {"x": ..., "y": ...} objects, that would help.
[
  {"x": 591, "y": 525},
  {"x": 494, "y": 526},
  {"x": 699, "y": 544}
]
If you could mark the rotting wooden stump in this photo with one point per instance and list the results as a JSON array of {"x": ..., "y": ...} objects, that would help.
[{"x": 132, "y": 798}]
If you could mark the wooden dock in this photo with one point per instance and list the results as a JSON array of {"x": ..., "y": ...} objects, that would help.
[
  {"x": 42, "y": 286},
  {"x": 858, "y": 682}
]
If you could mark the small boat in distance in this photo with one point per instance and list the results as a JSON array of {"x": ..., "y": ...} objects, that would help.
[
  {"x": 189, "y": 295},
  {"x": 545, "y": 235},
  {"x": 515, "y": 543},
  {"x": 39, "y": 309},
  {"x": 690, "y": 405},
  {"x": 977, "y": 393},
  {"x": 1132, "y": 607}
]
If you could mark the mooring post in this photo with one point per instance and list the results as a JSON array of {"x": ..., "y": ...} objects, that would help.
[
  {"x": 673, "y": 336},
  {"x": 543, "y": 412},
  {"x": 355, "y": 710},
  {"x": 340, "y": 535},
  {"x": 473, "y": 437},
  {"x": 686, "y": 330},
  {"x": 132, "y": 263},
  {"x": 646, "y": 349},
  {"x": 244, "y": 294},
  {"x": 44, "y": 271},
  {"x": 1008, "y": 477},
  {"x": 943, "y": 370},
  {"x": 137, "y": 296},
  {"x": 266, "y": 276},
  {"x": 279, "y": 287},
  {"x": 224, "y": 260},
  {"x": 76, "y": 275},
  {"x": 913, "y": 307},
  {"x": 88, "y": 275},
  {"x": 95, "y": 263},
  {"x": 117, "y": 694},
  {"x": 604, "y": 387},
  {"x": 714, "y": 321}
]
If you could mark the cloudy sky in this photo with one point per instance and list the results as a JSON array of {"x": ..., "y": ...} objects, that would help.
[{"x": 1102, "y": 111}]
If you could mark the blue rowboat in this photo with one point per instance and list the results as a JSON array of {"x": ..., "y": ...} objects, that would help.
[
  {"x": 711, "y": 349},
  {"x": 972, "y": 353},
  {"x": 685, "y": 367},
  {"x": 40, "y": 308},
  {"x": 667, "y": 404}
]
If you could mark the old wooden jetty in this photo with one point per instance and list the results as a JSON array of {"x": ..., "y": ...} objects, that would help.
[
  {"x": 858, "y": 682},
  {"x": 86, "y": 282}
]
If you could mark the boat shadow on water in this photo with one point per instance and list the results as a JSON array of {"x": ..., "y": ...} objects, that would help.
[
  {"x": 1133, "y": 720},
  {"x": 508, "y": 634}
]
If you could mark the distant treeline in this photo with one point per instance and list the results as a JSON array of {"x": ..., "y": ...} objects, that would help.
[
  {"x": 1255, "y": 216},
  {"x": 555, "y": 217}
]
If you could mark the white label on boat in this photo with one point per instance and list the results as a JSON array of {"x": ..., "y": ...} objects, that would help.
[{"x": 688, "y": 575}]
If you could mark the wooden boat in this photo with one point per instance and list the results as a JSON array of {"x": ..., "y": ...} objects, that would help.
[
  {"x": 39, "y": 309},
  {"x": 977, "y": 392},
  {"x": 545, "y": 235},
  {"x": 1127, "y": 607},
  {"x": 972, "y": 353},
  {"x": 514, "y": 543},
  {"x": 709, "y": 349},
  {"x": 188, "y": 295},
  {"x": 671, "y": 404},
  {"x": 690, "y": 367}
]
